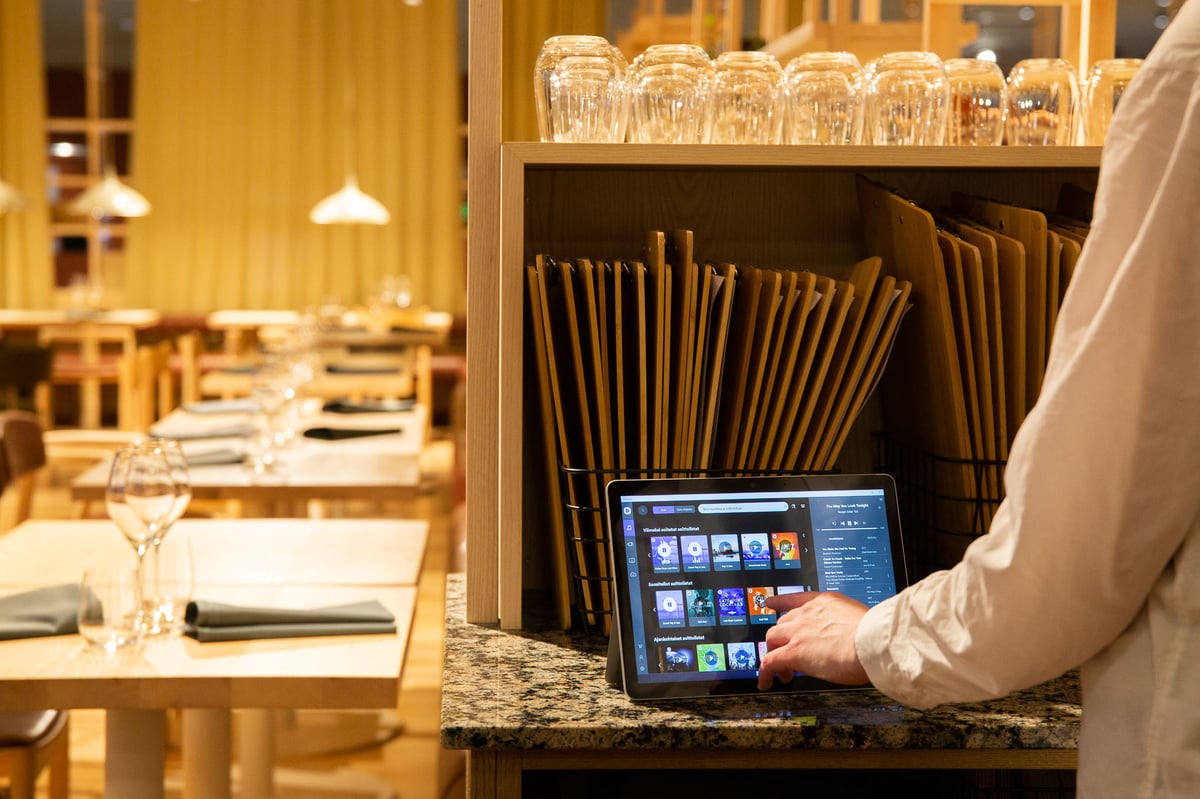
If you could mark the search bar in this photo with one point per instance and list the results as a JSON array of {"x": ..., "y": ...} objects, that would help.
[{"x": 743, "y": 507}]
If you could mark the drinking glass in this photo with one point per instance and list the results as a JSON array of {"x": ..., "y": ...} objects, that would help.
[
  {"x": 110, "y": 613},
  {"x": 173, "y": 582},
  {"x": 907, "y": 97},
  {"x": 669, "y": 95},
  {"x": 822, "y": 99},
  {"x": 580, "y": 90},
  {"x": 140, "y": 498},
  {"x": 978, "y": 98},
  {"x": 181, "y": 478},
  {"x": 745, "y": 98},
  {"x": 1106, "y": 82},
  {"x": 1042, "y": 96}
]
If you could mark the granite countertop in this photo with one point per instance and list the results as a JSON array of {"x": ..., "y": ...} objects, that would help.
[{"x": 546, "y": 689}]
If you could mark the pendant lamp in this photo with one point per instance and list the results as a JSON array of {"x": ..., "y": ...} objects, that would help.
[
  {"x": 349, "y": 205},
  {"x": 11, "y": 199},
  {"x": 110, "y": 197}
]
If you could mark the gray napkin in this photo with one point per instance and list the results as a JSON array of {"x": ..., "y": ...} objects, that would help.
[
  {"x": 216, "y": 621},
  {"x": 352, "y": 369},
  {"x": 214, "y": 457},
  {"x": 236, "y": 405},
  {"x": 41, "y": 612}
]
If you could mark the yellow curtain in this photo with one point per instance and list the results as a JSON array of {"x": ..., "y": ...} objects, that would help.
[
  {"x": 240, "y": 122},
  {"x": 26, "y": 269},
  {"x": 527, "y": 24}
]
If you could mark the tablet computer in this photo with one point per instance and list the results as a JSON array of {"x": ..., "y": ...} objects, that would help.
[{"x": 694, "y": 559}]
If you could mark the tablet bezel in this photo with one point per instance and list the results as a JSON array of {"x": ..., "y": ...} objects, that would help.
[{"x": 623, "y": 628}]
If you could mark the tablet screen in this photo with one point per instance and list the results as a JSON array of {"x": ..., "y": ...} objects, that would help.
[{"x": 695, "y": 558}]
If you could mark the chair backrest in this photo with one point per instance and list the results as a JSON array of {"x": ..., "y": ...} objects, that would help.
[
  {"x": 24, "y": 453},
  {"x": 146, "y": 387}
]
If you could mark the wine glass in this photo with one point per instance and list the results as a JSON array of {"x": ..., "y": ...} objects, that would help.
[
  {"x": 140, "y": 498},
  {"x": 177, "y": 464}
]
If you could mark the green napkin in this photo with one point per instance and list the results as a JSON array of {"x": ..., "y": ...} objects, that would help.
[
  {"x": 41, "y": 612},
  {"x": 216, "y": 621}
]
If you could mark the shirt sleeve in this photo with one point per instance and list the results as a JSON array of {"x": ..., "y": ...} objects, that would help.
[{"x": 1103, "y": 480}]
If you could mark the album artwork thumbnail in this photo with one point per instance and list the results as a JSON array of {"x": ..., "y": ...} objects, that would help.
[
  {"x": 710, "y": 657},
  {"x": 670, "y": 608},
  {"x": 726, "y": 553},
  {"x": 664, "y": 552},
  {"x": 701, "y": 609},
  {"x": 756, "y": 602},
  {"x": 731, "y": 605},
  {"x": 694, "y": 553},
  {"x": 672, "y": 657},
  {"x": 742, "y": 657},
  {"x": 786, "y": 549},
  {"x": 756, "y": 551}
]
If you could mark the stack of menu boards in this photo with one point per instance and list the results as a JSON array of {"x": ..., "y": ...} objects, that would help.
[
  {"x": 668, "y": 365},
  {"x": 987, "y": 280}
]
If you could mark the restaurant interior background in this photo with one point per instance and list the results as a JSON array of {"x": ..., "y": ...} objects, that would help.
[{"x": 249, "y": 113}]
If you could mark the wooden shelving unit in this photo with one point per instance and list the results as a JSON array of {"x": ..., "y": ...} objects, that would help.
[{"x": 774, "y": 206}]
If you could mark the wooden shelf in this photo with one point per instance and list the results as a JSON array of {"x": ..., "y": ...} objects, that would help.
[{"x": 770, "y": 206}]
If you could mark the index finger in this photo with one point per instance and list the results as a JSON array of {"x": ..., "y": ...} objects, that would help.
[{"x": 782, "y": 603}]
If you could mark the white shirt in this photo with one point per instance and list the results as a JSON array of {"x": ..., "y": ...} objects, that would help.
[{"x": 1094, "y": 556}]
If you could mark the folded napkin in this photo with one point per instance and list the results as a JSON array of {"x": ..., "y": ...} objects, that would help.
[
  {"x": 214, "y": 457},
  {"x": 41, "y": 612},
  {"x": 369, "y": 406},
  {"x": 240, "y": 405},
  {"x": 182, "y": 431},
  {"x": 352, "y": 369},
  {"x": 339, "y": 433},
  {"x": 240, "y": 369},
  {"x": 215, "y": 621}
]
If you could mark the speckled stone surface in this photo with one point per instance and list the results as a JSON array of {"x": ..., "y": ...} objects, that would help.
[{"x": 545, "y": 689}]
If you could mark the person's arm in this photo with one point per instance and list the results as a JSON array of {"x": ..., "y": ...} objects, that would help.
[{"x": 1103, "y": 481}]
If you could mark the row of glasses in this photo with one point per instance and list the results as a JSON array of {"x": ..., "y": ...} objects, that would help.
[
  {"x": 148, "y": 490},
  {"x": 677, "y": 94}
]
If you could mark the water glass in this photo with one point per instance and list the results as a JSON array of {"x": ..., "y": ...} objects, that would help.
[
  {"x": 822, "y": 99},
  {"x": 745, "y": 98},
  {"x": 172, "y": 580},
  {"x": 110, "y": 605},
  {"x": 669, "y": 95},
  {"x": 1106, "y": 81},
  {"x": 907, "y": 98},
  {"x": 1042, "y": 98},
  {"x": 978, "y": 98},
  {"x": 580, "y": 90}
]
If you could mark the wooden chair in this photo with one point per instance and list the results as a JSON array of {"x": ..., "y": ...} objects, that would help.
[
  {"x": 33, "y": 742},
  {"x": 30, "y": 742},
  {"x": 25, "y": 380},
  {"x": 24, "y": 454},
  {"x": 81, "y": 359}
]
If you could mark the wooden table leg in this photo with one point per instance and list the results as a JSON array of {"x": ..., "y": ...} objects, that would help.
[
  {"x": 135, "y": 751},
  {"x": 207, "y": 753},
  {"x": 256, "y": 752}
]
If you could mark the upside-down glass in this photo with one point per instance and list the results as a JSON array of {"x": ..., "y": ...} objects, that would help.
[
  {"x": 907, "y": 96},
  {"x": 1042, "y": 97},
  {"x": 140, "y": 498},
  {"x": 1106, "y": 82},
  {"x": 580, "y": 90},
  {"x": 745, "y": 98},
  {"x": 822, "y": 99},
  {"x": 978, "y": 98},
  {"x": 669, "y": 86}
]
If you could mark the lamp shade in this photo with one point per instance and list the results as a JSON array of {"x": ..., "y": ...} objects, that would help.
[
  {"x": 349, "y": 206},
  {"x": 110, "y": 197},
  {"x": 11, "y": 199}
]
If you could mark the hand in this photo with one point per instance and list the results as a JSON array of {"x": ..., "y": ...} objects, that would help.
[{"x": 814, "y": 636}]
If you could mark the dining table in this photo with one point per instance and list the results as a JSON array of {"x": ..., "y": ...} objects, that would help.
[
  {"x": 383, "y": 463},
  {"x": 279, "y": 563}
]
